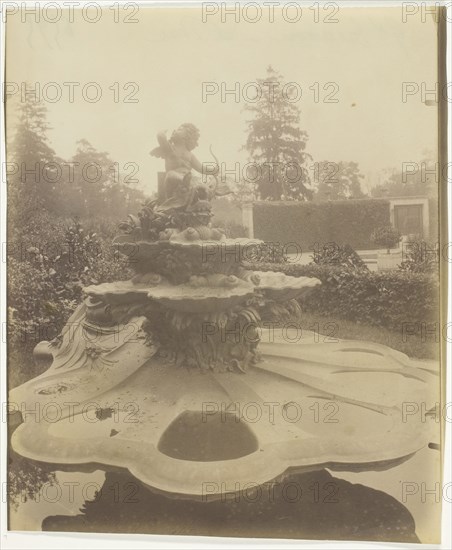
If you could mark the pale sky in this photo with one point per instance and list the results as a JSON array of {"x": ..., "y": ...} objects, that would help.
[{"x": 170, "y": 52}]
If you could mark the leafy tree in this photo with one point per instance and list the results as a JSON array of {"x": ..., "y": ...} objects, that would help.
[
  {"x": 97, "y": 185},
  {"x": 244, "y": 191},
  {"x": 34, "y": 167},
  {"x": 91, "y": 175},
  {"x": 89, "y": 184},
  {"x": 415, "y": 178},
  {"x": 276, "y": 144},
  {"x": 338, "y": 180}
]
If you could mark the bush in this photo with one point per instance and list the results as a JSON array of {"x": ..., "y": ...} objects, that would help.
[
  {"x": 267, "y": 253},
  {"x": 385, "y": 236},
  {"x": 335, "y": 255},
  {"x": 45, "y": 282},
  {"x": 387, "y": 299},
  {"x": 309, "y": 223},
  {"x": 420, "y": 257}
]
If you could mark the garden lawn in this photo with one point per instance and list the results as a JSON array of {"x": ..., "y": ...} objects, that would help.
[{"x": 414, "y": 346}]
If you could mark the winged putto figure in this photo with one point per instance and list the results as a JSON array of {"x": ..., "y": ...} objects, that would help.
[{"x": 179, "y": 162}]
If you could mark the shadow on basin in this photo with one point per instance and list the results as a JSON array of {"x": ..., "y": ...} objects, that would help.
[{"x": 201, "y": 437}]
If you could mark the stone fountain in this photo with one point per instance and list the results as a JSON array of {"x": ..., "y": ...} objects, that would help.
[{"x": 173, "y": 376}]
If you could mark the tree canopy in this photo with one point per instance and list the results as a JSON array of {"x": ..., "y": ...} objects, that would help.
[
  {"x": 275, "y": 143},
  {"x": 338, "y": 180},
  {"x": 38, "y": 179}
]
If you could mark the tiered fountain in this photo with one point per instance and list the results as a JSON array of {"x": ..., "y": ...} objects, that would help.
[{"x": 171, "y": 375}]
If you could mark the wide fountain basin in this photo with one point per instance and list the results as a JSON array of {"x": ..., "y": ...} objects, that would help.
[{"x": 304, "y": 406}]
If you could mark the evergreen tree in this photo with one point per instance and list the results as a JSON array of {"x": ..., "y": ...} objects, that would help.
[
  {"x": 34, "y": 169},
  {"x": 276, "y": 144}
]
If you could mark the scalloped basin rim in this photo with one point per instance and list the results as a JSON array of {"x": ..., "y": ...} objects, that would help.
[
  {"x": 168, "y": 291},
  {"x": 197, "y": 243},
  {"x": 277, "y": 280}
]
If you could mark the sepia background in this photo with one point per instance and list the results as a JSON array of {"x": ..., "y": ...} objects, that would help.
[
  {"x": 151, "y": 74},
  {"x": 169, "y": 53}
]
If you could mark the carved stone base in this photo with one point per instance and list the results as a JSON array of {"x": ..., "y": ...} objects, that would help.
[{"x": 305, "y": 405}]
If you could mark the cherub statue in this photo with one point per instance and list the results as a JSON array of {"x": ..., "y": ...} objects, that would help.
[{"x": 179, "y": 161}]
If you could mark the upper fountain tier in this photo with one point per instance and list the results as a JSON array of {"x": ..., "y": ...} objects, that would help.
[
  {"x": 178, "y": 244},
  {"x": 180, "y": 219}
]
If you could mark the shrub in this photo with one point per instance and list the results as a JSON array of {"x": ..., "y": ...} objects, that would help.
[
  {"x": 420, "y": 257},
  {"x": 385, "y": 236},
  {"x": 267, "y": 253},
  {"x": 387, "y": 299},
  {"x": 45, "y": 283},
  {"x": 344, "y": 256},
  {"x": 307, "y": 223}
]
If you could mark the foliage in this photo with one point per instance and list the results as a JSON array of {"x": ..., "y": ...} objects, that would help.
[
  {"x": 389, "y": 298},
  {"x": 276, "y": 144},
  {"x": 26, "y": 480},
  {"x": 88, "y": 183},
  {"x": 420, "y": 257},
  {"x": 333, "y": 254},
  {"x": 51, "y": 256},
  {"x": 46, "y": 275},
  {"x": 97, "y": 185},
  {"x": 232, "y": 230},
  {"x": 310, "y": 224},
  {"x": 385, "y": 236},
  {"x": 33, "y": 172},
  {"x": 244, "y": 190},
  {"x": 416, "y": 178},
  {"x": 338, "y": 181}
]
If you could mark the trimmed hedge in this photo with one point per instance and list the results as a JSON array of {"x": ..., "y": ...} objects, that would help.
[
  {"x": 388, "y": 298},
  {"x": 307, "y": 223}
]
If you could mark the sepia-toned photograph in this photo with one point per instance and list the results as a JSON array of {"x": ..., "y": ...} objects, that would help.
[{"x": 224, "y": 272}]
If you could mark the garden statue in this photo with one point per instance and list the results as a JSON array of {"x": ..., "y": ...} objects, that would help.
[
  {"x": 179, "y": 161},
  {"x": 173, "y": 374}
]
